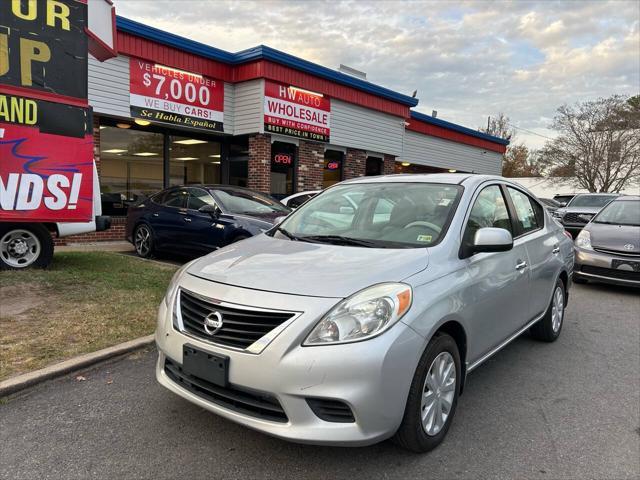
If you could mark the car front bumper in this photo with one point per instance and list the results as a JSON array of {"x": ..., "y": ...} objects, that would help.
[
  {"x": 371, "y": 377},
  {"x": 597, "y": 266}
]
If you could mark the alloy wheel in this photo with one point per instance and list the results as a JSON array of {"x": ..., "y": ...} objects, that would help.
[
  {"x": 438, "y": 393},
  {"x": 19, "y": 248},
  {"x": 557, "y": 309},
  {"x": 142, "y": 241}
]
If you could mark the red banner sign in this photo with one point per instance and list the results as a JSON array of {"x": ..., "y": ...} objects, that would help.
[
  {"x": 45, "y": 177},
  {"x": 164, "y": 94},
  {"x": 296, "y": 112}
]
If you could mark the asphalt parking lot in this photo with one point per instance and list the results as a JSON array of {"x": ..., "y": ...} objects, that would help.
[{"x": 564, "y": 410}]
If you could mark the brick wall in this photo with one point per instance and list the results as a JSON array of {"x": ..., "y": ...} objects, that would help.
[
  {"x": 310, "y": 166},
  {"x": 260, "y": 163},
  {"x": 389, "y": 167},
  {"x": 355, "y": 163},
  {"x": 115, "y": 233}
]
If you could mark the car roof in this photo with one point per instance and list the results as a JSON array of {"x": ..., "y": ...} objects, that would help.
[{"x": 626, "y": 198}]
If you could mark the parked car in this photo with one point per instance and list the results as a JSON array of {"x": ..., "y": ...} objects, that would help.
[
  {"x": 608, "y": 248},
  {"x": 581, "y": 209},
  {"x": 197, "y": 219},
  {"x": 297, "y": 199},
  {"x": 350, "y": 332},
  {"x": 550, "y": 204},
  {"x": 563, "y": 198}
]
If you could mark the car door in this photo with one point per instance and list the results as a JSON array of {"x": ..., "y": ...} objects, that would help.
[
  {"x": 168, "y": 221},
  {"x": 499, "y": 281},
  {"x": 204, "y": 232},
  {"x": 542, "y": 245}
]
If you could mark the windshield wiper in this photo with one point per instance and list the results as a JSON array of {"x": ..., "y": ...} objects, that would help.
[
  {"x": 287, "y": 234},
  {"x": 340, "y": 240}
]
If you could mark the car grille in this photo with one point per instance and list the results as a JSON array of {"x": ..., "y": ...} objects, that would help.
[
  {"x": 260, "y": 405},
  {"x": 625, "y": 253},
  {"x": 240, "y": 327},
  {"x": 574, "y": 218},
  {"x": 331, "y": 410},
  {"x": 612, "y": 273}
]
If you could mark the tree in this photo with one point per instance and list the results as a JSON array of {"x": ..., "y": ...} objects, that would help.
[
  {"x": 598, "y": 142},
  {"x": 500, "y": 127},
  {"x": 518, "y": 161}
]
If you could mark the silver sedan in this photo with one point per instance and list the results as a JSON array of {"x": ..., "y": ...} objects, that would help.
[{"x": 350, "y": 324}]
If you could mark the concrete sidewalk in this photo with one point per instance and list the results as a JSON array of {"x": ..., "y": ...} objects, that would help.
[{"x": 116, "y": 246}]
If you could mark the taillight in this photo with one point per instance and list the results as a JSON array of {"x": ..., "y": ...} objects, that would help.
[{"x": 568, "y": 235}]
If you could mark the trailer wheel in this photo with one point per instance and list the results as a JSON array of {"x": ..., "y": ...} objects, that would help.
[{"x": 24, "y": 245}]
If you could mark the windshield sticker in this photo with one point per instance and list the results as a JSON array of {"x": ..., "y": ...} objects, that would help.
[{"x": 424, "y": 238}]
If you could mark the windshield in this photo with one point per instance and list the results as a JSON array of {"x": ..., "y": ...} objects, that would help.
[
  {"x": 620, "y": 212},
  {"x": 591, "y": 200},
  {"x": 381, "y": 215},
  {"x": 248, "y": 203}
]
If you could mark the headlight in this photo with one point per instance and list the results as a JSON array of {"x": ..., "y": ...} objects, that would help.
[
  {"x": 175, "y": 281},
  {"x": 556, "y": 214},
  {"x": 584, "y": 240},
  {"x": 364, "y": 315}
]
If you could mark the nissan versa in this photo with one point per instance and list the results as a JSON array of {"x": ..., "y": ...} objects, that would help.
[{"x": 358, "y": 317}]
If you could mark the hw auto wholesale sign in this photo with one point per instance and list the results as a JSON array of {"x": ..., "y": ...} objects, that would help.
[
  {"x": 164, "y": 94},
  {"x": 299, "y": 113},
  {"x": 46, "y": 149}
]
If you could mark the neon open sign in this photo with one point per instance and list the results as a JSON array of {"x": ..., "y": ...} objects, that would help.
[{"x": 283, "y": 159}]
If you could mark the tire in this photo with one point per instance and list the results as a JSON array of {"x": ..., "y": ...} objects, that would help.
[
  {"x": 24, "y": 245},
  {"x": 412, "y": 434},
  {"x": 143, "y": 241},
  {"x": 549, "y": 327}
]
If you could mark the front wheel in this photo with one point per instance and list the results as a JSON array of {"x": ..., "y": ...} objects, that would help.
[
  {"x": 25, "y": 245},
  {"x": 549, "y": 327},
  {"x": 433, "y": 396},
  {"x": 143, "y": 241}
]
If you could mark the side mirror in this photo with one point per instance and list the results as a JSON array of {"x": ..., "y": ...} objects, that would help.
[
  {"x": 490, "y": 239},
  {"x": 279, "y": 220},
  {"x": 212, "y": 210}
]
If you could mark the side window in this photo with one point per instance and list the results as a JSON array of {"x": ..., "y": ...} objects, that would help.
[
  {"x": 296, "y": 202},
  {"x": 175, "y": 198},
  {"x": 489, "y": 210},
  {"x": 527, "y": 213},
  {"x": 199, "y": 197}
]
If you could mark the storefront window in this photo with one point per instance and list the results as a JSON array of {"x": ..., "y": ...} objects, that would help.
[
  {"x": 373, "y": 166},
  {"x": 131, "y": 166},
  {"x": 194, "y": 161},
  {"x": 239, "y": 162},
  {"x": 282, "y": 166},
  {"x": 333, "y": 160}
]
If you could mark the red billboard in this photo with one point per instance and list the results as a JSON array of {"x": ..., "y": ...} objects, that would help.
[
  {"x": 44, "y": 176},
  {"x": 164, "y": 94},
  {"x": 296, "y": 112}
]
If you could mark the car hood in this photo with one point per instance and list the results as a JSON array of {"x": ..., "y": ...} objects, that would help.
[
  {"x": 592, "y": 210},
  {"x": 311, "y": 269},
  {"x": 262, "y": 219},
  {"x": 615, "y": 237}
]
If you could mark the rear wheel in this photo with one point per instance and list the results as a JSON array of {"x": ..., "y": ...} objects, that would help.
[
  {"x": 143, "y": 241},
  {"x": 25, "y": 245},
  {"x": 433, "y": 396},
  {"x": 548, "y": 329}
]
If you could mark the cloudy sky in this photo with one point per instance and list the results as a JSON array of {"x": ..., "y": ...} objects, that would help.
[{"x": 467, "y": 60}]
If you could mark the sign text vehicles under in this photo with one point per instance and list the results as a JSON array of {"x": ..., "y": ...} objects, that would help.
[
  {"x": 292, "y": 111},
  {"x": 167, "y": 95}
]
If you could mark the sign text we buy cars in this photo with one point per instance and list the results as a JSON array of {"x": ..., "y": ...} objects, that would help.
[
  {"x": 296, "y": 112},
  {"x": 46, "y": 147}
]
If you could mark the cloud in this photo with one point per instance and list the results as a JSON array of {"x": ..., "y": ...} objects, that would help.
[{"x": 467, "y": 59}]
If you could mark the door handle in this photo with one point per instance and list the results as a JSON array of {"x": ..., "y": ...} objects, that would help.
[
  {"x": 156, "y": 214},
  {"x": 187, "y": 219},
  {"x": 556, "y": 250},
  {"x": 521, "y": 265}
]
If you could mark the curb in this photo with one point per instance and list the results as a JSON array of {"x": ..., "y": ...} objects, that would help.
[{"x": 15, "y": 384}]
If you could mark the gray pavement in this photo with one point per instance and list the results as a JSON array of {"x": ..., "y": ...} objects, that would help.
[{"x": 564, "y": 410}]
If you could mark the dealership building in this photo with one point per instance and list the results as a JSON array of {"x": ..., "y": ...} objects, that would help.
[{"x": 172, "y": 111}]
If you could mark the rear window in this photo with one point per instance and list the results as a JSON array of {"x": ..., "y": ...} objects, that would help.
[{"x": 591, "y": 200}]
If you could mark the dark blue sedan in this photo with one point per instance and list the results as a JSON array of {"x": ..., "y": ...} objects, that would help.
[{"x": 196, "y": 219}]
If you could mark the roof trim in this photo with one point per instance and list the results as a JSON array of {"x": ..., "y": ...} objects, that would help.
[
  {"x": 457, "y": 128},
  {"x": 260, "y": 52}
]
